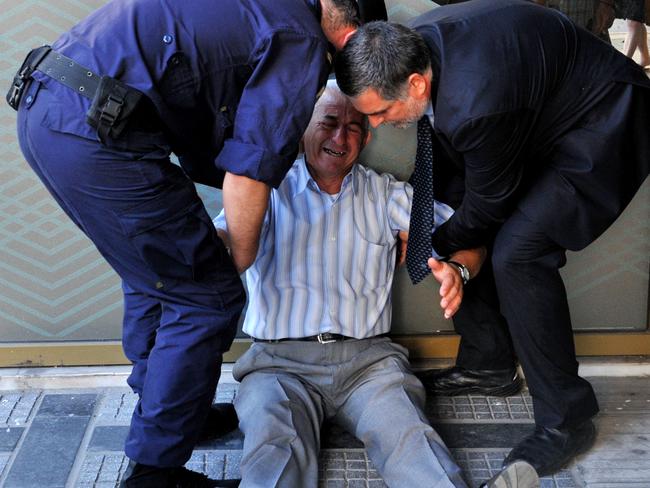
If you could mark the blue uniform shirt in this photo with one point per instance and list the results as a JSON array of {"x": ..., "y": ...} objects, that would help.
[{"x": 234, "y": 82}]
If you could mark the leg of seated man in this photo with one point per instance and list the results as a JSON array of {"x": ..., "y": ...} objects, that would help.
[
  {"x": 384, "y": 409},
  {"x": 281, "y": 420}
]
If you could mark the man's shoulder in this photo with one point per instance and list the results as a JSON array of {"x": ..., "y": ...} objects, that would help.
[
  {"x": 375, "y": 176},
  {"x": 378, "y": 184}
]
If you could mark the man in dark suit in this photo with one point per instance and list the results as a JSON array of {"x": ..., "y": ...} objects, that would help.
[{"x": 548, "y": 126}]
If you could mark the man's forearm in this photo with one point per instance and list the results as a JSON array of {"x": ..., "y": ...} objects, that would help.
[
  {"x": 472, "y": 259},
  {"x": 245, "y": 202}
]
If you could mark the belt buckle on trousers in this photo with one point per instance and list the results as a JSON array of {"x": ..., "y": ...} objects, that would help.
[{"x": 326, "y": 338}]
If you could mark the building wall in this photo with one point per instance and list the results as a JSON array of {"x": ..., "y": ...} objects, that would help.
[{"x": 54, "y": 286}]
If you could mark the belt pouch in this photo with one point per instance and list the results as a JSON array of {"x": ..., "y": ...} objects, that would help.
[{"x": 111, "y": 108}]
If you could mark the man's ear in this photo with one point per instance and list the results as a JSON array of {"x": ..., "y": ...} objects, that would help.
[
  {"x": 368, "y": 138},
  {"x": 417, "y": 85},
  {"x": 347, "y": 36}
]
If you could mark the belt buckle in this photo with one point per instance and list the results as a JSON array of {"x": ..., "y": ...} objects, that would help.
[
  {"x": 323, "y": 338},
  {"x": 17, "y": 88}
]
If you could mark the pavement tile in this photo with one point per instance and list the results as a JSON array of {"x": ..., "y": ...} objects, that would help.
[
  {"x": 9, "y": 437},
  {"x": 16, "y": 407},
  {"x": 98, "y": 469},
  {"x": 116, "y": 407},
  {"x": 47, "y": 453},
  {"x": 79, "y": 405},
  {"x": 480, "y": 431},
  {"x": 4, "y": 458},
  {"x": 108, "y": 438}
]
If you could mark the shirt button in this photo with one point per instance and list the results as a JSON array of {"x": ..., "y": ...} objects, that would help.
[
  {"x": 29, "y": 100},
  {"x": 167, "y": 39}
]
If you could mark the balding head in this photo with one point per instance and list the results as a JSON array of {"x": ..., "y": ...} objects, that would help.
[{"x": 336, "y": 134}]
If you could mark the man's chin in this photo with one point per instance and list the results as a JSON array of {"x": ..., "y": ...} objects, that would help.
[{"x": 402, "y": 124}]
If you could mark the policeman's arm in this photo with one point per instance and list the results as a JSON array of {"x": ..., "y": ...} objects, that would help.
[
  {"x": 275, "y": 107},
  {"x": 245, "y": 202}
]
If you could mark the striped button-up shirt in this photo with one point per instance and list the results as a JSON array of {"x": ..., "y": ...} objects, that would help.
[{"x": 326, "y": 262}]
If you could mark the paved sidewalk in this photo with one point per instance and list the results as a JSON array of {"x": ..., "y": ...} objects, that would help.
[{"x": 74, "y": 438}]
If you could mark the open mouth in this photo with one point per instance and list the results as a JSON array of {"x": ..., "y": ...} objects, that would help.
[{"x": 334, "y": 153}]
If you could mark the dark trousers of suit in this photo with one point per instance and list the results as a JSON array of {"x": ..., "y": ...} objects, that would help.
[
  {"x": 530, "y": 247},
  {"x": 485, "y": 342},
  {"x": 533, "y": 298}
]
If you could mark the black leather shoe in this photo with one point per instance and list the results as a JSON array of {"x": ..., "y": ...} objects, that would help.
[
  {"x": 140, "y": 476},
  {"x": 222, "y": 419},
  {"x": 519, "y": 474},
  {"x": 548, "y": 450},
  {"x": 461, "y": 381}
]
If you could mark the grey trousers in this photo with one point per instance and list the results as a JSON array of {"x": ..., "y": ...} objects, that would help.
[{"x": 289, "y": 388}]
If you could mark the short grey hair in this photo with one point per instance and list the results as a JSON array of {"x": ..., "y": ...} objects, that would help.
[
  {"x": 381, "y": 55},
  {"x": 333, "y": 88},
  {"x": 344, "y": 14}
]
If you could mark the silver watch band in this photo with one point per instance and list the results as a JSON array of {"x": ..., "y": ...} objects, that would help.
[{"x": 462, "y": 269}]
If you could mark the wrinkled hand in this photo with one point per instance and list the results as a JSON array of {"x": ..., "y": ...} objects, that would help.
[
  {"x": 451, "y": 286},
  {"x": 401, "y": 248}
]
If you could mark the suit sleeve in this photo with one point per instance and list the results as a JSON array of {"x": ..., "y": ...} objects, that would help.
[
  {"x": 491, "y": 147},
  {"x": 275, "y": 107}
]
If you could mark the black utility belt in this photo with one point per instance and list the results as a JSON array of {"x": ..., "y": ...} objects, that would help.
[
  {"x": 112, "y": 102},
  {"x": 324, "y": 338}
]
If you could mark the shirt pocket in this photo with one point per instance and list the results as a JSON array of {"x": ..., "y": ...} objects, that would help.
[
  {"x": 370, "y": 263},
  {"x": 174, "y": 236},
  {"x": 179, "y": 84}
]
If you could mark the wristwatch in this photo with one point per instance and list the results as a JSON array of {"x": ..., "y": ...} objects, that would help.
[{"x": 462, "y": 269}]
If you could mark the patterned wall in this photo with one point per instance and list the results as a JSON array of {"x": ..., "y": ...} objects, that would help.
[{"x": 54, "y": 286}]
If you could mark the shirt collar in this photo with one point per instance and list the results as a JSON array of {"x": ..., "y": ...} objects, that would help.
[
  {"x": 303, "y": 177},
  {"x": 429, "y": 113}
]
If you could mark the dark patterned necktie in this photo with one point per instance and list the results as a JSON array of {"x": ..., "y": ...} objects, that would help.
[{"x": 418, "y": 250}]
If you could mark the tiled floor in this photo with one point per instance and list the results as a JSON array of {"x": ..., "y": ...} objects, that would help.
[{"x": 74, "y": 438}]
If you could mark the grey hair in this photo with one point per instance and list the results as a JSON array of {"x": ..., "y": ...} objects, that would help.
[
  {"x": 345, "y": 13},
  {"x": 381, "y": 55},
  {"x": 333, "y": 88}
]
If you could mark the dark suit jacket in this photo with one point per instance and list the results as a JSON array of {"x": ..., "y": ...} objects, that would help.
[{"x": 537, "y": 114}]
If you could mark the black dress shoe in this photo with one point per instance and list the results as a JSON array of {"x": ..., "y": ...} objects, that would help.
[
  {"x": 222, "y": 419},
  {"x": 141, "y": 476},
  {"x": 519, "y": 474},
  {"x": 461, "y": 381},
  {"x": 548, "y": 450}
]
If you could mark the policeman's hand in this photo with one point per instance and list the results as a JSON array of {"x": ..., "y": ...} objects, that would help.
[
  {"x": 451, "y": 285},
  {"x": 403, "y": 237}
]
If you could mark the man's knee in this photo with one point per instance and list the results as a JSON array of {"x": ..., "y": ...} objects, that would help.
[
  {"x": 521, "y": 246},
  {"x": 504, "y": 259},
  {"x": 265, "y": 400}
]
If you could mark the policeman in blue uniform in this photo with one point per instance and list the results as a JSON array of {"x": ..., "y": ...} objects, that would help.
[{"x": 229, "y": 87}]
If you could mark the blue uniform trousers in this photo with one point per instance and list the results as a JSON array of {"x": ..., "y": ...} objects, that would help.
[{"x": 183, "y": 296}]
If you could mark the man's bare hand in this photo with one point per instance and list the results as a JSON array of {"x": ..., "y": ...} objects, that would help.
[{"x": 451, "y": 286}]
